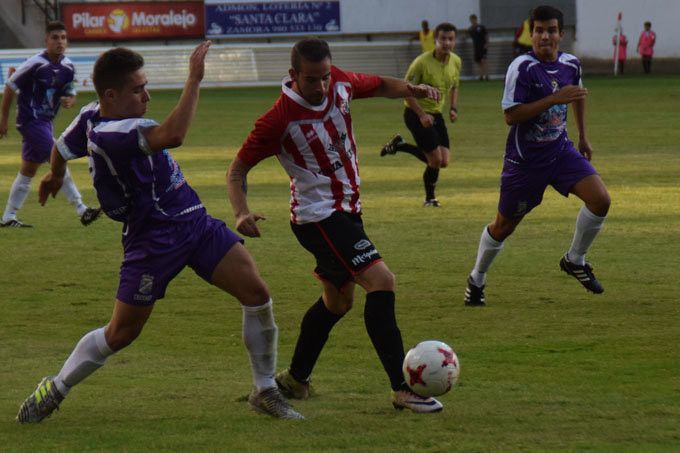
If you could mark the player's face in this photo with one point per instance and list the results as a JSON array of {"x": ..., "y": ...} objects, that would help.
[
  {"x": 130, "y": 101},
  {"x": 313, "y": 80},
  {"x": 446, "y": 41},
  {"x": 545, "y": 38},
  {"x": 56, "y": 43}
]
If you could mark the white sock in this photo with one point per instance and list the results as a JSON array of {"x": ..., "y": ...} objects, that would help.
[
  {"x": 71, "y": 193},
  {"x": 260, "y": 336},
  {"x": 486, "y": 253},
  {"x": 88, "y": 356},
  {"x": 587, "y": 227},
  {"x": 17, "y": 195}
]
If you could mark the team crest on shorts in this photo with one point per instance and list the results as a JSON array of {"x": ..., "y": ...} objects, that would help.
[{"x": 146, "y": 284}]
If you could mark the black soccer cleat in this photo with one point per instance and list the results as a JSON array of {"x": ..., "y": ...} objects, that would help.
[
  {"x": 14, "y": 223},
  {"x": 584, "y": 274},
  {"x": 474, "y": 295},
  {"x": 90, "y": 215},
  {"x": 391, "y": 146},
  {"x": 432, "y": 203}
]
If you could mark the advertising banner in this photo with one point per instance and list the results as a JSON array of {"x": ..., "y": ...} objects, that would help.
[
  {"x": 271, "y": 18},
  {"x": 133, "y": 20}
]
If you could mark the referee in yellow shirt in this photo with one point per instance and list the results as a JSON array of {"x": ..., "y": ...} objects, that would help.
[{"x": 439, "y": 68}]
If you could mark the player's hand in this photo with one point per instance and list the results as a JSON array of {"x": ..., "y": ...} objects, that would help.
[
  {"x": 569, "y": 94},
  {"x": 197, "y": 61},
  {"x": 426, "y": 120},
  {"x": 67, "y": 101},
  {"x": 49, "y": 185},
  {"x": 3, "y": 127},
  {"x": 453, "y": 115},
  {"x": 584, "y": 148},
  {"x": 424, "y": 91},
  {"x": 246, "y": 224}
]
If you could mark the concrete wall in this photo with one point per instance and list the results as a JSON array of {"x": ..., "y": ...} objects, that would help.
[
  {"x": 16, "y": 34},
  {"x": 596, "y": 20}
]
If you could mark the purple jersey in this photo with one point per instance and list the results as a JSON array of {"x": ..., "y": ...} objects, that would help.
[
  {"x": 538, "y": 141},
  {"x": 145, "y": 189},
  {"x": 39, "y": 84}
]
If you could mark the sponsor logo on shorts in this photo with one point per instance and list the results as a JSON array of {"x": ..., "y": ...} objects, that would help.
[
  {"x": 521, "y": 209},
  {"x": 362, "y": 244},
  {"x": 146, "y": 284},
  {"x": 364, "y": 257}
]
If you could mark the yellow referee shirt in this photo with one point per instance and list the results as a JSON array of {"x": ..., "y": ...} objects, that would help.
[
  {"x": 426, "y": 40},
  {"x": 443, "y": 76}
]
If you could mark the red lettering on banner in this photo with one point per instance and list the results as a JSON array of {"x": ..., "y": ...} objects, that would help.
[{"x": 133, "y": 20}]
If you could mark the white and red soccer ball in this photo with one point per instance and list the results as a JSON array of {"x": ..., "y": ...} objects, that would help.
[{"x": 431, "y": 368}]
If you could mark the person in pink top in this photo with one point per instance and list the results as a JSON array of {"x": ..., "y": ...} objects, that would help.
[
  {"x": 645, "y": 47},
  {"x": 621, "y": 56}
]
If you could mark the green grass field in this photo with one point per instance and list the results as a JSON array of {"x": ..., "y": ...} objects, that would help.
[{"x": 545, "y": 366}]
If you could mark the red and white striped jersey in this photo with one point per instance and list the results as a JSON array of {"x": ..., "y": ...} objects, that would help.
[{"x": 315, "y": 145}]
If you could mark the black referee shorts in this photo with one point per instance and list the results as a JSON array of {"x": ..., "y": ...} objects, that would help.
[
  {"x": 340, "y": 245},
  {"x": 427, "y": 138}
]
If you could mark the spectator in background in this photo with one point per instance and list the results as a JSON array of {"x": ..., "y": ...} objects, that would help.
[
  {"x": 522, "y": 43},
  {"x": 623, "y": 44},
  {"x": 645, "y": 47},
  {"x": 480, "y": 42},
  {"x": 425, "y": 36}
]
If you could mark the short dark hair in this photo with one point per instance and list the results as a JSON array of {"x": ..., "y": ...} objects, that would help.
[
  {"x": 473, "y": 16},
  {"x": 313, "y": 50},
  {"x": 445, "y": 26},
  {"x": 113, "y": 67},
  {"x": 648, "y": 24},
  {"x": 544, "y": 13},
  {"x": 54, "y": 25}
]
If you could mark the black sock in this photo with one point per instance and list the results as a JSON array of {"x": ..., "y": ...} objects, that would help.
[
  {"x": 430, "y": 178},
  {"x": 411, "y": 149},
  {"x": 381, "y": 325},
  {"x": 314, "y": 329}
]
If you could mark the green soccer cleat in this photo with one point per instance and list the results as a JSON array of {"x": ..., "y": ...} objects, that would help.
[
  {"x": 291, "y": 387},
  {"x": 271, "y": 402},
  {"x": 41, "y": 403}
]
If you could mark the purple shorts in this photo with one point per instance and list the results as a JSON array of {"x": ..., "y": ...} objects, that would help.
[
  {"x": 37, "y": 141},
  {"x": 522, "y": 187},
  {"x": 155, "y": 257}
]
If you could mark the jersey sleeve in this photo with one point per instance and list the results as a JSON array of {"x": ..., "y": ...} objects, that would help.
[
  {"x": 22, "y": 77},
  {"x": 414, "y": 74},
  {"x": 72, "y": 143},
  {"x": 459, "y": 65},
  {"x": 363, "y": 85},
  {"x": 517, "y": 85},
  {"x": 264, "y": 140}
]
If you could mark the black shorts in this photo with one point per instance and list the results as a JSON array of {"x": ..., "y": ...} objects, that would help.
[
  {"x": 480, "y": 54},
  {"x": 340, "y": 246},
  {"x": 427, "y": 138}
]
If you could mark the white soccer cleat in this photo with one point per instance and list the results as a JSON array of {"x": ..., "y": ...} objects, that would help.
[
  {"x": 271, "y": 402},
  {"x": 406, "y": 399}
]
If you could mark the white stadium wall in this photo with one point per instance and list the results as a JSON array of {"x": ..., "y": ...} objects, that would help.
[
  {"x": 596, "y": 20},
  {"x": 376, "y": 16}
]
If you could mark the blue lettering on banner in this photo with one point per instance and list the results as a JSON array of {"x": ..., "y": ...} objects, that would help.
[{"x": 228, "y": 19}]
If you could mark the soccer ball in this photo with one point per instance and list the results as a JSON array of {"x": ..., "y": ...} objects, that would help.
[{"x": 431, "y": 368}]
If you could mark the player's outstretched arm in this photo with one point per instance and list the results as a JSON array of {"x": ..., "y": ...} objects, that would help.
[
  {"x": 237, "y": 187},
  {"x": 391, "y": 87},
  {"x": 524, "y": 112},
  {"x": 54, "y": 179},
  {"x": 171, "y": 133},
  {"x": 7, "y": 96},
  {"x": 584, "y": 146}
]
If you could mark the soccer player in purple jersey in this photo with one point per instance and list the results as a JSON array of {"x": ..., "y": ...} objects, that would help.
[
  {"x": 165, "y": 228},
  {"x": 43, "y": 83},
  {"x": 538, "y": 87}
]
